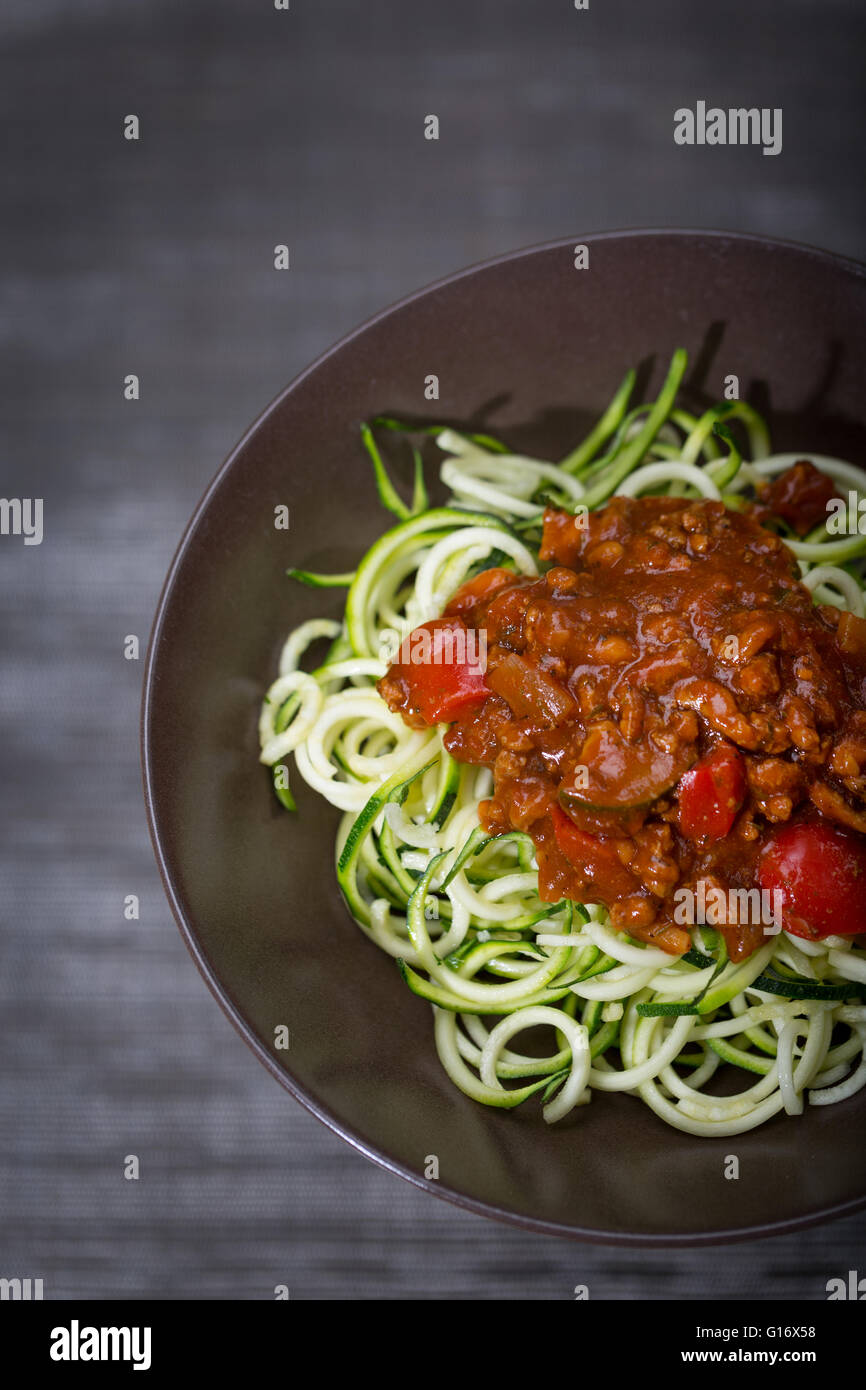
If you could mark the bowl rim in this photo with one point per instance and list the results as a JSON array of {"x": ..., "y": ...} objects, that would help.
[{"x": 310, "y": 1101}]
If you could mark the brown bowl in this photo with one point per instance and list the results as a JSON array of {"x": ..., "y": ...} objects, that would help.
[{"x": 532, "y": 348}]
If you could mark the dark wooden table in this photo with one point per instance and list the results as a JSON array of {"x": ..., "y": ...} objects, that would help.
[{"x": 155, "y": 257}]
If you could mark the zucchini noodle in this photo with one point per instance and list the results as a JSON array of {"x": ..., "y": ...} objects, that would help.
[{"x": 459, "y": 909}]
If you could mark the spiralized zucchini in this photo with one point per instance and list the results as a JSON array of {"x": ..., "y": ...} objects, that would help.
[{"x": 459, "y": 910}]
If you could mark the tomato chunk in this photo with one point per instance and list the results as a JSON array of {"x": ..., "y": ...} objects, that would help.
[
  {"x": 711, "y": 793},
  {"x": 800, "y": 495},
  {"x": 441, "y": 669},
  {"x": 820, "y": 871},
  {"x": 477, "y": 592},
  {"x": 596, "y": 859}
]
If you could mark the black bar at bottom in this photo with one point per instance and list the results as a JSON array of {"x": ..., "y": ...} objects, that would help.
[{"x": 63, "y": 1339}]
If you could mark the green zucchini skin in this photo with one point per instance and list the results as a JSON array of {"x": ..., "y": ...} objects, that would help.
[
  {"x": 809, "y": 989},
  {"x": 322, "y": 581},
  {"x": 438, "y": 521},
  {"x": 373, "y": 862},
  {"x": 738, "y": 1058},
  {"x": 455, "y": 1003},
  {"x": 395, "y": 789},
  {"x": 447, "y": 791}
]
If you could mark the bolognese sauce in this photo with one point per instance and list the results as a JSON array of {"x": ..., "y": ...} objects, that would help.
[{"x": 664, "y": 708}]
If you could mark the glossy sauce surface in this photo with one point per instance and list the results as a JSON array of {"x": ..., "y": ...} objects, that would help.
[{"x": 669, "y": 650}]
